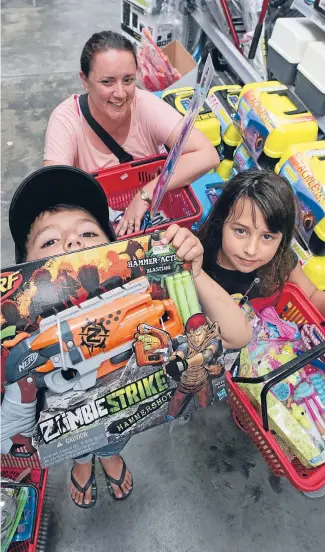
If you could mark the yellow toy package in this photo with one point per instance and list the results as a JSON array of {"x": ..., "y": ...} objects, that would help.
[
  {"x": 303, "y": 165},
  {"x": 270, "y": 119},
  {"x": 206, "y": 122}
]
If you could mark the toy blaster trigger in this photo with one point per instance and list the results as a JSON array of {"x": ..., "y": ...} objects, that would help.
[{"x": 152, "y": 346}]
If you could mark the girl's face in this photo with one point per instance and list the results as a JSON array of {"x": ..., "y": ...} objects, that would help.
[
  {"x": 111, "y": 82},
  {"x": 247, "y": 246}
]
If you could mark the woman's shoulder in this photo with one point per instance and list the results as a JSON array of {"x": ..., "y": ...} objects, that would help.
[
  {"x": 69, "y": 109},
  {"x": 146, "y": 100}
]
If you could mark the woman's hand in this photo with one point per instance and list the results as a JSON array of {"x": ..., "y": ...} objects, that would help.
[
  {"x": 187, "y": 246},
  {"x": 132, "y": 218}
]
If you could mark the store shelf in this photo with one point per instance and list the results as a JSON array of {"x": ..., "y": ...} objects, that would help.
[
  {"x": 310, "y": 12},
  {"x": 238, "y": 64}
]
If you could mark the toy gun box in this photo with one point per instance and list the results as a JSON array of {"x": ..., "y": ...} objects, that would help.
[{"x": 102, "y": 332}]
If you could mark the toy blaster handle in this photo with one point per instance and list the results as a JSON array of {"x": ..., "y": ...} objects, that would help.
[
  {"x": 18, "y": 417},
  {"x": 281, "y": 373}
]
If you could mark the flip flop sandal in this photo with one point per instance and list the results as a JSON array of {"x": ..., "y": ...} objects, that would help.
[
  {"x": 117, "y": 482},
  {"x": 91, "y": 481}
]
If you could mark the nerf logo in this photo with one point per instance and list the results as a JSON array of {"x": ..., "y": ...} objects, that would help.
[
  {"x": 28, "y": 362},
  {"x": 9, "y": 283}
]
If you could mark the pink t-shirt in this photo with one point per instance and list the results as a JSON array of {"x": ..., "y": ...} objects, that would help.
[{"x": 67, "y": 143}]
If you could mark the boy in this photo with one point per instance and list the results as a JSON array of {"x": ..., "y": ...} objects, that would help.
[{"x": 60, "y": 209}]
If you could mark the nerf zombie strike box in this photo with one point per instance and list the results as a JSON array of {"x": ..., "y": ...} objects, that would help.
[{"x": 100, "y": 344}]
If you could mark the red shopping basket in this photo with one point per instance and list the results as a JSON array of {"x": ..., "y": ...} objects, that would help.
[
  {"x": 294, "y": 306},
  {"x": 11, "y": 468},
  {"x": 122, "y": 182}
]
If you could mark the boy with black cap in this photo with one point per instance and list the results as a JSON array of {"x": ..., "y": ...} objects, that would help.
[{"x": 60, "y": 209}]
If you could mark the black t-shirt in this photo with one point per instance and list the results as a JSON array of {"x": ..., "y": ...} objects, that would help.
[{"x": 233, "y": 281}]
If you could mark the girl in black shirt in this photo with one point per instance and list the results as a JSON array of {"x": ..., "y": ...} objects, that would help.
[{"x": 247, "y": 238}]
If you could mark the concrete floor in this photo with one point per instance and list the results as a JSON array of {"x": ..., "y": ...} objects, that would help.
[{"x": 200, "y": 486}]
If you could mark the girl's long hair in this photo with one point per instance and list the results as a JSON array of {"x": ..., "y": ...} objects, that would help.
[{"x": 276, "y": 199}]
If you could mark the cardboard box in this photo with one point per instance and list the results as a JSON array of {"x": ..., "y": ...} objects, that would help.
[
  {"x": 185, "y": 64},
  {"x": 97, "y": 329}
]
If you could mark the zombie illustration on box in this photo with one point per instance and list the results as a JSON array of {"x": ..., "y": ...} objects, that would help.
[{"x": 193, "y": 364}]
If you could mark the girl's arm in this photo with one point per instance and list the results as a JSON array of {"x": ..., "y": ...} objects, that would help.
[
  {"x": 218, "y": 306},
  {"x": 316, "y": 296}
]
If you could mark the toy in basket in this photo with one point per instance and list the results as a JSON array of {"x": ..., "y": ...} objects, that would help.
[
  {"x": 303, "y": 165},
  {"x": 122, "y": 182},
  {"x": 270, "y": 119},
  {"x": 293, "y": 306},
  {"x": 105, "y": 349}
]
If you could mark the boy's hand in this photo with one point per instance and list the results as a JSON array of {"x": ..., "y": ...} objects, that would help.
[{"x": 187, "y": 246}]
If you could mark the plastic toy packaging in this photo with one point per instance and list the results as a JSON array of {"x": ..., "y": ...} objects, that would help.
[
  {"x": 115, "y": 336},
  {"x": 154, "y": 68},
  {"x": 12, "y": 505},
  {"x": 296, "y": 404},
  {"x": 270, "y": 119}
]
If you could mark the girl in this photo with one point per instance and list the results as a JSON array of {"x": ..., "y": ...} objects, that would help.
[{"x": 248, "y": 236}]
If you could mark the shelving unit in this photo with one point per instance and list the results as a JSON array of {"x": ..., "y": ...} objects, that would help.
[
  {"x": 237, "y": 62},
  {"x": 239, "y": 65},
  {"x": 310, "y": 12}
]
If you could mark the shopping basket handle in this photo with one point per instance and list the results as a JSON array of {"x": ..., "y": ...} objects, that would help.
[
  {"x": 14, "y": 451},
  {"x": 284, "y": 371}
]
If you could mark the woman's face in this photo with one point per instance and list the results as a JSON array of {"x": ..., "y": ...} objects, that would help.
[{"x": 111, "y": 82}]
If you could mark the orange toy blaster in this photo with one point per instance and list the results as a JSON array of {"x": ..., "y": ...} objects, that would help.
[{"x": 74, "y": 348}]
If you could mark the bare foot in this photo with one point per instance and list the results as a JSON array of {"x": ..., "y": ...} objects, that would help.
[
  {"x": 81, "y": 473},
  {"x": 113, "y": 466}
]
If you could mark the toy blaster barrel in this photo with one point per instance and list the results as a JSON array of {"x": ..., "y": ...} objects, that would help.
[{"x": 74, "y": 348}]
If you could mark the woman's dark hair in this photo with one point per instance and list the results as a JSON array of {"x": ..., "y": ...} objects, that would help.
[
  {"x": 276, "y": 199},
  {"x": 101, "y": 42}
]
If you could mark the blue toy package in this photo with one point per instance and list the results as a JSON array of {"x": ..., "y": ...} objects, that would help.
[
  {"x": 204, "y": 188},
  {"x": 26, "y": 523},
  {"x": 243, "y": 160}
]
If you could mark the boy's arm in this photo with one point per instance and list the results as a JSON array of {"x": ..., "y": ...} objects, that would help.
[
  {"x": 316, "y": 296},
  {"x": 219, "y": 307}
]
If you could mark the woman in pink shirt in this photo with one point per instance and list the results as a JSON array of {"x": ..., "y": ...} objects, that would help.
[{"x": 137, "y": 120}]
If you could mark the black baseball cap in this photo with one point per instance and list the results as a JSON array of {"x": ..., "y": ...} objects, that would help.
[{"x": 51, "y": 186}]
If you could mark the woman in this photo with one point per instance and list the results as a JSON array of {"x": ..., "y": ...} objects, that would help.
[{"x": 137, "y": 120}]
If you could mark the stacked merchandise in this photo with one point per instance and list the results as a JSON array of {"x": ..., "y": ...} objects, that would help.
[{"x": 160, "y": 17}]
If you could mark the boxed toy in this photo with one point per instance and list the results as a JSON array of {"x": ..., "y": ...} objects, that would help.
[
  {"x": 270, "y": 119},
  {"x": 116, "y": 338},
  {"x": 303, "y": 165}
]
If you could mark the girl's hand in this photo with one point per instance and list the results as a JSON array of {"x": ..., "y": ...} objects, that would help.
[
  {"x": 188, "y": 247},
  {"x": 132, "y": 218}
]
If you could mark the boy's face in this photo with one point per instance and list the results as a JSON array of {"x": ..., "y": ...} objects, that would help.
[{"x": 63, "y": 231}]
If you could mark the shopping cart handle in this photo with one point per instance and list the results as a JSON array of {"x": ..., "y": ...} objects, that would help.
[{"x": 284, "y": 371}]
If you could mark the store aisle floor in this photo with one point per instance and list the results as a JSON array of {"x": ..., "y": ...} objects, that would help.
[{"x": 200, "y": 486}]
